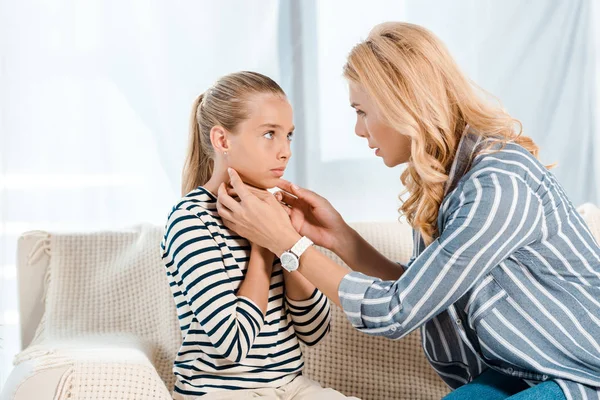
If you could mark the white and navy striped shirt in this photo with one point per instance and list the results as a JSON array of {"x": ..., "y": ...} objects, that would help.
[
  {"x": 511, "y": 283},
  {"x": 227, "y": 342}
]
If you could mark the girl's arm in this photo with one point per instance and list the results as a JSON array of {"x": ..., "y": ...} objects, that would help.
[
  {"x": 258, "y": 277},
  {"x": 308, "y": 308},
  {"x": 195, "y": 262}
]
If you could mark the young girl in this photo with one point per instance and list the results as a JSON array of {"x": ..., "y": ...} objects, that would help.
[
  {"x": 242, "y": 317},
  {"x": 505, "y": 279}
]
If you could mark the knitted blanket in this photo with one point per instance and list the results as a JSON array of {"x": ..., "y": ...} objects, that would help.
[{"x": 109, "y": 314}]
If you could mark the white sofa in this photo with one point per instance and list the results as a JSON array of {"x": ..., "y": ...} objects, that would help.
[{"x": 111, "y": 352}]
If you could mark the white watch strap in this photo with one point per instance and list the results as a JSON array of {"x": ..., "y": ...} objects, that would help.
[{"x": 301, "y": 246}]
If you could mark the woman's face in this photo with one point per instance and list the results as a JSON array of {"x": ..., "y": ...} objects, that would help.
[
  {"x": 388, "y": 143},
  {"x": 260, "y": 148}
]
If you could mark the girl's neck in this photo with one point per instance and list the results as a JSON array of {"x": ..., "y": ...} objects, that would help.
[{"x": 218, "y": 177}]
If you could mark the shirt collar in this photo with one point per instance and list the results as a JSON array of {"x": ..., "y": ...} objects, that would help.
[{"x": 466, "y": 151}]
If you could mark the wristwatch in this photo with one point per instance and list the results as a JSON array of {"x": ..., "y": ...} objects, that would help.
[{"x": 290, "y": 260}]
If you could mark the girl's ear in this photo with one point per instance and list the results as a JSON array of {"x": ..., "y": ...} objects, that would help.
[{"x": 219, "y": 139}]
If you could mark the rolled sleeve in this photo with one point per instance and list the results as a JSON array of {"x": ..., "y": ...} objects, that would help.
[{"x": 351, "y": 292}]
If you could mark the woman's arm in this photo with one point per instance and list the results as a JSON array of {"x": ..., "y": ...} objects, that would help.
[
  {"x": 488, "y": 220},
  {"x": 313, "y": 216},
  {"x": 361, "y": 256}
]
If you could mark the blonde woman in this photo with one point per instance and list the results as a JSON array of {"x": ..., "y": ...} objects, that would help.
[
  {"x": 242, "y": 316},
  {"x": 505, "y": 278}
]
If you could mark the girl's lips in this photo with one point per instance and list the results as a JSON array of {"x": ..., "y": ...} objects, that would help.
[{"x": 278, "y": 172}]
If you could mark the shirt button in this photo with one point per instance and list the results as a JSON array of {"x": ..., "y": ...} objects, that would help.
[
  {"x": 458, "y": 321},
  {"x": 393, "y": 329}
]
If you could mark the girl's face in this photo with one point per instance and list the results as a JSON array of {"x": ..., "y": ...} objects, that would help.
[
  {"x": 260, "y": 149},
  {"x": 388, "y": 143}
]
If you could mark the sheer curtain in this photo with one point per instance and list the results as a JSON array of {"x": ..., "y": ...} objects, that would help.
[
  {"x": 95, "y": 98},
  {"x": 537, "y": 57},
  {"x": 94, "y": 106}
]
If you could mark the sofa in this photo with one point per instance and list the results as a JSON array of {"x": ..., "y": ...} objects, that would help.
[{"x": 98, "y": 322}]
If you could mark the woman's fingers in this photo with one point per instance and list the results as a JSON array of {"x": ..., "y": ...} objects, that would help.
[
  {"x": 237, "y": 184},
  {"x": 260, "y": 193},
  {"x": 230, "y": 224},
  {"x": 286, "y": 198},
  {"x": 301, "y": 193},
  {"x": 226, "y": 200},
  {"x": 286, "y": 185},
  {"x": 287, "y": 209},
  {"x": 232, "y": 193},
  {"x": 224, "y": 213},
  {"x": 226, "y": 216}
]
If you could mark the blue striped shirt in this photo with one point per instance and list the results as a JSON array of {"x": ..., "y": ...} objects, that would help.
[
  {"x": 228, "y": 344},
  {"x": 512, "y": 282}
]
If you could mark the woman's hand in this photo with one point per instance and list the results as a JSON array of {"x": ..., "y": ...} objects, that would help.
[
  {"x": 257, "y": 216},
  {"x": 313, "y": 216}
]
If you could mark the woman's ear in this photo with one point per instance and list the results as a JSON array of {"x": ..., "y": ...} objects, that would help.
[{"x": 219, "y": 139}]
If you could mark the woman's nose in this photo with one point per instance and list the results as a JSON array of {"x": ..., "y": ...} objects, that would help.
[{"x": 360, "y": 130}]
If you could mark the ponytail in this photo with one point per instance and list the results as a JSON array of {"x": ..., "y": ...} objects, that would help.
[{"x": 198, "y": 166}]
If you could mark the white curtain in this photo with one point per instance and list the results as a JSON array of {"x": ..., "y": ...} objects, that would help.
[
  {"x": 95, "y": 98},
  {"x": 94, "y": 106},
  {"x": 537, "y": 57}
]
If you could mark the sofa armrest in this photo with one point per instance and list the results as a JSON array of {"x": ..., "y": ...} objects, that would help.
[{"x": 89, "y": 368}]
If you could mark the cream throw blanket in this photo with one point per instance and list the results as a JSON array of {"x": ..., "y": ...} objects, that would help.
[{"x": 109, "y": 314}]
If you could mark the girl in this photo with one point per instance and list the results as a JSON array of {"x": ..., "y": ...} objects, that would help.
[
  {"x": 241, "y": 316},
  {"x": 505, "y": 279}
]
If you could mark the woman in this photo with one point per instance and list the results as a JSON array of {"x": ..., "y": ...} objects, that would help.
[{"x": 505, "y": 277}]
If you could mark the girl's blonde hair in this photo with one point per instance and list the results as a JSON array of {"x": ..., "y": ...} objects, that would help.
[
  {"x": 420, "y": 91},
  {"x": 224, "y": 104}
]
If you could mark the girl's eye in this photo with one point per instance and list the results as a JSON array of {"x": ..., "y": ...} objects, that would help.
[
  {"x": 361, "y": 113},
  {"x": 290, "y": 136},
  {"x": 269, "y": 135}
]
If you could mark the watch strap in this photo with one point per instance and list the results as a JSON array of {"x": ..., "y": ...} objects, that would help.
[{"x": 301, "y": 245}]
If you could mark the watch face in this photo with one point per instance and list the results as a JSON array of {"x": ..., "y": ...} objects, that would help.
[{"x": 289, "y": 261}]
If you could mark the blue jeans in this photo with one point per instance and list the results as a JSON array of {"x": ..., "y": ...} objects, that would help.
[{"x": 492, "y": 385}]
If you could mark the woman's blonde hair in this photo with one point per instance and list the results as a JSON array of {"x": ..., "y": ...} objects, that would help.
[
  {"x": 224, "y": 104},
  {"x": 421, "y": 92}
]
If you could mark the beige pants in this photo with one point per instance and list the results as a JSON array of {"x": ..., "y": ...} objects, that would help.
[{"x": 300, "y": 388}]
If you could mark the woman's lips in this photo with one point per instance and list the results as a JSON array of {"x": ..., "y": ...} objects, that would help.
[{"x": 374, "y": 148}]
